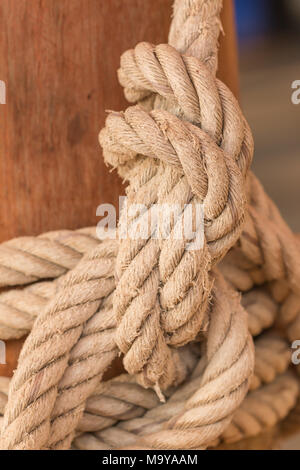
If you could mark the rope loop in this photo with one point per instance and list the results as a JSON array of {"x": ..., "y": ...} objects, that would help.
[{"x": 185, "y": 143}]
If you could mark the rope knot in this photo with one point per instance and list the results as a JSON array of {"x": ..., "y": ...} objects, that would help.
[{"x": 185, "y": 143}]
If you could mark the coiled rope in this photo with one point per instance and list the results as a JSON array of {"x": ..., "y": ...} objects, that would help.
[{"x": 186, "y": 142}]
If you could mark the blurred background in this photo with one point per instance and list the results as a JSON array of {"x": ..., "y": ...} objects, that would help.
[{"x": 269, "y": 55}]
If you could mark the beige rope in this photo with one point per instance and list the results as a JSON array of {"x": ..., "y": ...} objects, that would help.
[
  {"x": 123, "y": 400},
  {"x": 20, "y": 306},
  {"x": 272, "y": 358},
  {"x": 119, "y": 399},
  {"x": 59, "y": 364},
  {"x": 231, "y": 342},
  {"x": 194, "y": 147},
  {"x": 195, "y": 166},
  {"x": 267, "y": 243},
  {"x": 261, "y": 409},
  {"x": 192, "y": 21},
  {"x": 25, "y": 260},
  {"x": 261, "y": 308},
  {"x": 289, "y": 314},
  {"x": 207, "y": 405}
]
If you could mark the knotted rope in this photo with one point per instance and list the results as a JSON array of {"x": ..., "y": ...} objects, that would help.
[
  {"x": 50, "y": 387},
  {"x": 194, "y": 148},
  {"x": 185, "y": 143}
]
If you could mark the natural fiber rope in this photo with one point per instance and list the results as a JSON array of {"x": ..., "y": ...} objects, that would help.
[
  {"x": 261, "y": 409},
  {"x": 267, "y": 244},
  {"x": 112, "y": 399},
  {"x": 59, "y": 364},
  {"x": 159, "y": 280},
  {"x": 194, "y": 423},
  {"x": 25, "y": 430},
  {"x": 19, "y": 307},
  {"x": 203, "y": 156},
  {"x": 123, "y": 400},
  {"x": 25, "y": 260},
  {"x": 289, "y": 315},
  {"x": 272, "y": 358}
]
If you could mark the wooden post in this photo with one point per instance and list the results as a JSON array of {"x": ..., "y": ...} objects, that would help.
[
  {"x": 59, "y": 61},
  {"x": 228, "y": 70}
]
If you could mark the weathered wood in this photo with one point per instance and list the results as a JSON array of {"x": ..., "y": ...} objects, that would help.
[{"x": 59, "y": 62}]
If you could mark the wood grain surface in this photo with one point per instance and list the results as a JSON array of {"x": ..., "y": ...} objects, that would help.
[{"x": 59, "y": 59}]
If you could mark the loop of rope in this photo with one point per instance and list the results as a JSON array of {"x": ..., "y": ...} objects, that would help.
[
  {"x": 185, "y": 143},
  {"x": 195, "y": 95},
  {"x": 49, "y": 389},
  {"x": 123, "y": 400},
  {"x": 261, "y": 409},
  {"x": 59, "y": 364},
  {"x": 204, "y": 156}
]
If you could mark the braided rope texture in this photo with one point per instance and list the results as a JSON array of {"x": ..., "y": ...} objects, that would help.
[
  {"x": 186, "y": 142},
  {"x": 25, "y": 260},
  {"x": 223, "y": 386},
  {"x": 60, "y": 358},
  {"x": 193, "y": 148}
]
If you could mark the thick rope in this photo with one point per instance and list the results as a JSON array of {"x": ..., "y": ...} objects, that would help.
[
  {"x": 26, "y": 422},
  {"x": 25, "y": 260},
  {"x": 208, "y": 405},
  {"x": 261, "y": 409},
  {"x": 59, "y": 364},
  {"x": 123, "y": 400},
  {"x": 203, "y": 156},
  {"x": 289, "y": 315},
  {"x": 195, "y": 29},
  {"x": 183, "y": 152},
  {"x": 267, "y": 245},
  {"x": 272, "y": 358},
  {"x": 20, "y": 307}
]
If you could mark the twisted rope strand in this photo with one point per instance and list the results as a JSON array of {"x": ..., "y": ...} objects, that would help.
[
  {"x": 260, "y": 410},
  {"x": 263, "y": 408},
  {"x": 208, "y": 405},
  {"x": 178, "y": 147},
  {"x": 20, "y": 306},
  {"x": 123, "y": 400},
  {"x": 192, "y": 170},
  {"x": 25, "y": 260},
  {"x": 195, "y": 29},
  {"x": 57, "y": 369}
]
